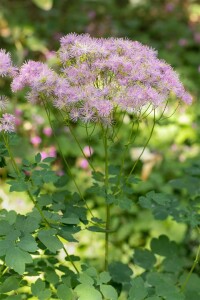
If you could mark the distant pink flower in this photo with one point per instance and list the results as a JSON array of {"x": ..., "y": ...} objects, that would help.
[
  {"x": 183, "y": 42},
  {"x": 38, "y": 119},
  {"x": 43, "y": 154},
  {"x": 199, "y": 69},
  {"x": 50, "y": 152},
  {"x": 18, "y": 121},
  {"x": 92, "y": 14},
  {"x": 82, "y": 163},
  {"x": 88, "y": 151},
  {"x": 36, "y": 140},
  {"x": 197, "y": 37},
  {"x": 50, "y": 54},
  {"x": 18, "y": 112},
  {"x": 60, "y": 173},
  {"x": 47, "y": 131},
  {"x": 169, "y": 7}
]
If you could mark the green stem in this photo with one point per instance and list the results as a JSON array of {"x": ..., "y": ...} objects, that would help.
[
  {"x": 65, "y": 161},
  {"x": 107, "y": 236},
  {"x": 77, "y": 141},
  {"x": 79, "y": 145},
  {"x": 146, "y": 144},
  {"x": 126, "y": 147},
  {"x": 4, "y": 271},
  {"x": 196, "y": 261},
  {"x": 39, "y": 209},
  {"x": 68, "y": 256},
  {"x": 107, "y": 205},
  {"x": 14, "y": 165}
]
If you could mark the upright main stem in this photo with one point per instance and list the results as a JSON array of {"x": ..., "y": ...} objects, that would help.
[{"x": 107, "y": 205}]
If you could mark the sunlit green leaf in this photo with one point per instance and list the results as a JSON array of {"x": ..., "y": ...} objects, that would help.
[
  {"x": 85, "y": 292},
  {"x": 44, "y": 4}
]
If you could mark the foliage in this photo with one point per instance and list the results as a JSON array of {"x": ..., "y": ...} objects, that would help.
[
  {"x": 30, "y": 244},
  {"x": 54, "y": 247}
]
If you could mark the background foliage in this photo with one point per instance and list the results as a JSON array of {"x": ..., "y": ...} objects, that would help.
[{"x": 162, "y": 224}]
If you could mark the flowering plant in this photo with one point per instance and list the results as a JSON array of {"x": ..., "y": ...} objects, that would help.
[{"x": 98, "y": 83}]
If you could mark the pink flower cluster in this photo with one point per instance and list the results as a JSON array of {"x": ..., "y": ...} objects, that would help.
[
  {"x": 100, "y": 76},
  {"x": 7, "y": 123},
  {"x": 6, "y": 66},
  {"x": 38, "y": 77}
]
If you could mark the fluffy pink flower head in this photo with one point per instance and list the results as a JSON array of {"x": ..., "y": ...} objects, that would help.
[
  {"x": 99, "y": 77},
  {"x": 6, "y": 67},
  {"x": 37, "y": 76},
  {"x": 7, "y": 123},
  {"x": 110, "y": 74}
]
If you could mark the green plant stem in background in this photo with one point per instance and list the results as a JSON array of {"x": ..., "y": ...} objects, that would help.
[
  {"x": 126, "y": 147},
  {"x": 32, "y": 198},
  {"x": 14, "y": 165},
  {"x": 105, "y": 141},
  {"x": 75, "y": 138},
  {"x": 77, "y": 141},
  {"x": 146, "y": 144},
  {"x": 196, "y": 261}
]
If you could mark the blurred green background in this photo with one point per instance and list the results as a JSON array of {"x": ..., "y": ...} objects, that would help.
[{"x": 32, "y": 29}]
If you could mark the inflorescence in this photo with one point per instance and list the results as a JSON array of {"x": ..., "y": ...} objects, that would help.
[{"x": 98, "y": 77}]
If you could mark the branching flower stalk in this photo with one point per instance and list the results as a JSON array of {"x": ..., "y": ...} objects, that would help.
[
  {"x": 145, "y": 146},
  {"x": 64, "y": 159}
]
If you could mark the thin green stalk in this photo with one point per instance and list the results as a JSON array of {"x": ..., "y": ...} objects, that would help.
[
  {"x": 196, "y": 261},
  {"x": 105, "y": 138},
  {"x": 77, "y": 141},
  {"x": 68, "y": 256},
  {"x": 89, "y": 140},
  {"x": 130, "y": 141},
  {"x": 119, "y": 127},
  {"x": 79, "y": 145},
  {"x": 15, "y": 167},
  {"x": 146, "y": 144},
  {"x": 4, "y": 271},
  {"x": 39, "y": 209},
  {"x": 65, "y": 161},
  {"x": 161, "y": 119}
]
